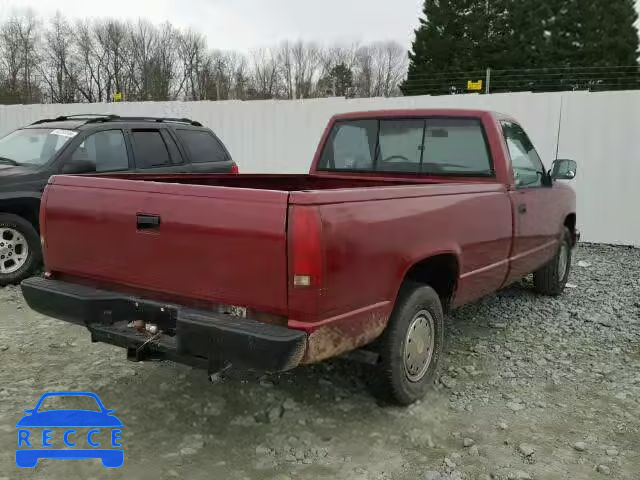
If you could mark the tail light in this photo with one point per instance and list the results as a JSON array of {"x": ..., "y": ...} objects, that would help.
[
  {"x": 42, "y": 223},
  {"x": 305, "y": 248},
  {"x": 235, "y": 169}
]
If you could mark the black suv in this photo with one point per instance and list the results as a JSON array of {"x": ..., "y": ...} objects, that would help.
[{"x": 88, "y": 144}]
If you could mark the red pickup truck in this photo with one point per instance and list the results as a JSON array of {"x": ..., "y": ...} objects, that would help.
[{"x": 404, "y": 215}]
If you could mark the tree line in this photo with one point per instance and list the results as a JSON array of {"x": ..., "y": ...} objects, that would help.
[
  {"x": 59, "y": 61},
  {"x": 545, "y": 45}
]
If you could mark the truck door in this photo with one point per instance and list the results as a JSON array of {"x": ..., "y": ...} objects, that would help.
[{"x": 536, "y": 233}]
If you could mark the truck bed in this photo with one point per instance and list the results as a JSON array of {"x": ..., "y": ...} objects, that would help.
[
  {"x": 218, "y": 239},
  {"x": 281, "y": 182},
  {"x": 301, "y": 188}
]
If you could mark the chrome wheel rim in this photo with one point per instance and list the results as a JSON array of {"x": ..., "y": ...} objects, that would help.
[
  {"x": 563, "y": 261},
  {"x": 14, "y": 250},
  {"x": 419, "y": 345}
]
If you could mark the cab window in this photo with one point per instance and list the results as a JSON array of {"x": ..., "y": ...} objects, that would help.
[
  {"x": 527, "y": 167},
  {"x": 430, "y": 146}
]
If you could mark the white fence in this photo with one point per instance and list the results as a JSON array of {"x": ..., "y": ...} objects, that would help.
[{"x": 601, "y": 131}]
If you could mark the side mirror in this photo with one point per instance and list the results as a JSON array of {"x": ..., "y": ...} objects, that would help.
[
  {"x": 29, "y": 410},
  {"x": 79, "y": 166},
  {"x": 564, "y": 169}
]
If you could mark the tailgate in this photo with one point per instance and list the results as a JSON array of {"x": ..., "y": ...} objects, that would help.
[{"x": 222, "y": 244}]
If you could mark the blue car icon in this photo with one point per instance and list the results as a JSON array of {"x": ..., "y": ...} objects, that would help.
[{"x": 30, "y": 453}]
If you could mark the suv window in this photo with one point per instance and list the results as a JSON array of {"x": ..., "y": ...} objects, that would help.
[
  {"x": 33, "y": 146},
  {"x": 150, "y": 149},
  {"x": 436, "y": 146},
  {"x": 202, "y": 146},
  {"x": 527, "y": 167},
  {"x": 107, "y": 149}
]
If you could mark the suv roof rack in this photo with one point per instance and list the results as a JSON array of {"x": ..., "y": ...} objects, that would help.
[
  {"x": 79, "y": 116},
  {"x": 186, "y": 121},
  {"x": 100, "y": 118}
]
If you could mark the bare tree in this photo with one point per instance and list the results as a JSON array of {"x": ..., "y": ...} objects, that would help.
[
  {"x": 241, "y": 75},
  {"x": 365, "y": 72},
  {"x": 221, "y": 79},
  {"x": 307, "y": 61},
  {"x": 92, "y": 60},
  {"x": 166, "y": 64},
  {"x": 229, "y": 71},
  {"x": 340, "y": 54},
  {"x": 11, "y": 59},
  {"x": 284, "y": 60},
  {"x": 237, "y": 72},
  {"x": 339, "y": 58},
  {"x": 143, "y": 39},
  {"x": 113, "y": 46},
  {"x": 265, "y": 81},
  {"x": 90, "y": 63},
  {"x": 58, "y": 69},
  {"x": 380, "y": 68},
  {"x": 18, "y": 45},
  {"x": 196, "y": 65}
]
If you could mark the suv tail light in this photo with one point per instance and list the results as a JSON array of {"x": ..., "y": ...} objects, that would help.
[
  {"x": 234, "y": 169},
  {"x": 305, "y": 248}
]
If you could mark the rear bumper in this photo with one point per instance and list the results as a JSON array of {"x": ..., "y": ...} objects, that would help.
[{"x": 193, "y": 337}]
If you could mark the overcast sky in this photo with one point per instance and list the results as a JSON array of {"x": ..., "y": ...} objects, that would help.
[{"x": 246, "y": 24}]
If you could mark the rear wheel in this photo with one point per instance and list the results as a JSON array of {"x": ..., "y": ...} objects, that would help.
[
  {"x": 19, "y": 248},
  {"x": 552, "y": 278},
  {"x": 411, "y": 346}
]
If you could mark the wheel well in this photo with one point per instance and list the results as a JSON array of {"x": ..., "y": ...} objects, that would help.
[
  {"x": 440, "y": 272},
  {"x": 28, "y": 209},
  {"x": 570, "y": 223}
]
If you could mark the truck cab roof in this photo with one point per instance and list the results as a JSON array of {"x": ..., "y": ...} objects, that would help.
[{"x": 419, "y": 112}]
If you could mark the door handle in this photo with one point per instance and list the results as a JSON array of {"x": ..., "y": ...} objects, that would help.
[
  {"x": 522, "y": 208},
  {"x": 147, "y": 222}
]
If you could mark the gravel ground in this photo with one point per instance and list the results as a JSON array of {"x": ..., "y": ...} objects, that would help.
[{"x": 532, "y": 388}]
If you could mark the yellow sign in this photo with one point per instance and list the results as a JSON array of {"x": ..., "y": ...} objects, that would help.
[
  {"x": 474, "y": 86},
  {"x": 117, "y": 97}
]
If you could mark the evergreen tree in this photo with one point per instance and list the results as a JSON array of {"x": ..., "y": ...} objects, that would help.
[
  {"x": 595, "y": 34},
  {"x": 338, "y": 82},
  {"x": 517, "y": 43},
  {"x": 449, "y": 40},
  {"x": 539, "y": 46}
]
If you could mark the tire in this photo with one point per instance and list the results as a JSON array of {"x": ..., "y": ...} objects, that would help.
[
  {"x": 417, "y": 311},
  {"x": 17, "y": 236},
  {"x": 552, "y": 278}
]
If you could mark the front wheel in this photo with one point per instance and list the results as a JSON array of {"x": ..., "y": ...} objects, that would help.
[
  {"x": 552, "y": 278},
  {"x": 20, "y": 252},
  {"x": 411, "y": 346}
]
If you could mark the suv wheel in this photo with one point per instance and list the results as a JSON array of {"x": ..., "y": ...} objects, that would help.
[{"x": 19, "y": 248}]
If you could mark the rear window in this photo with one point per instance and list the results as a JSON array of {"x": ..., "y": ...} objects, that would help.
[
  {"x": 202, "y": 146},
  {"x": 435, "y": 146}
]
